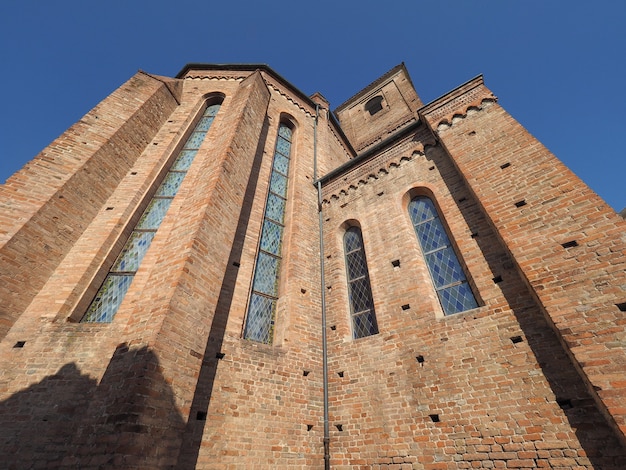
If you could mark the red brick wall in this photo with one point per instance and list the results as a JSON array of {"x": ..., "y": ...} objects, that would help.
[
  {"x": 46, "y": 206},
  {"x": 578, "y": 287},
  {"x": 505, "y": 390},
  {"x": 263, "y": 411},
  {"x": 170, "y": 382},
  {"x": 144, "y": 381}
]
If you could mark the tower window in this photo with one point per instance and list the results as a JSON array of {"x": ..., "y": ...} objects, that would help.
[
  {"x": 445, "y": 269},
  {"x": 262, "y": 304},
  {"x": 359, "y": 288},
  {"x": 110, "y": 295},
  {"x": 374, "y": 105}
]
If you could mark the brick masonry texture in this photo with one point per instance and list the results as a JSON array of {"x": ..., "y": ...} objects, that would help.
[
  {"x": 47, "y": 205},
  {"x": 532, "y": 378}
]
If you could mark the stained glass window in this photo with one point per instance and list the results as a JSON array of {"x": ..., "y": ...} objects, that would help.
[
  {"x": 445, "y": 269},
  {"x": 262, "y": 304},
  {"x": 110, "y": 295},
  {"x": 359, "y": 288}
]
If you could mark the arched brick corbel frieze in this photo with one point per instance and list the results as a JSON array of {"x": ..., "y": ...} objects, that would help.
[
  {"x": 469, "y": 97},
  {"x": 288, "y": 97},
  {"x": 237, "y": 77},
  {"x": 378, "y": 166},
  {"x": 446, "y": 123}
]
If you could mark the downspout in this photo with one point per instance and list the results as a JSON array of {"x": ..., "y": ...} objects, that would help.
[{"x": 318, "y": 183}]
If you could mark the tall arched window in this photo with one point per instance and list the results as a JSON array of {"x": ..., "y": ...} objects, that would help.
[
  {"x": 359, "y": 288},
  {"x": 262, "y": 304},
  {"x": 445, "y": 269},
  {"x": 110, "y": 295}
]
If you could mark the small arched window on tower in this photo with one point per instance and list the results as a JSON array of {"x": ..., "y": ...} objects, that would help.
[
  {"x": 359, "y": 289},
  {"x": 446, "y": 271},
  {"x": 374, "y": 105},
  {"x": 264, "y": 296}
]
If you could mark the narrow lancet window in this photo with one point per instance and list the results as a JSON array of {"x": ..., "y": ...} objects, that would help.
[
  {"x": 359, "y": 288},
  {"x": 110, "y": 295},
  {"x": 264, "y": 296},
  {"x": 445, "y": 269}
]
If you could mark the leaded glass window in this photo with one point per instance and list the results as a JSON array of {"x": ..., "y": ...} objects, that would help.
[
  {"x": 110, "y": 295},
  {"x": 359, "y": 288},
  {"x": 262, "y": 303},
  {"x": 445, "y": 269}
]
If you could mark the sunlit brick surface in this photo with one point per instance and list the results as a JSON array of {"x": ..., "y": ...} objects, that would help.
[{"x": 531, "y": 375}]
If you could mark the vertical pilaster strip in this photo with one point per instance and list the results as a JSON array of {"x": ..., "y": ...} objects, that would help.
[
  {"x": 46, "y": 206},
  {"x": 174, "y": 304}
]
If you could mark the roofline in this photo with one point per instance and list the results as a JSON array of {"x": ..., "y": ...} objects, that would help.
[
  {"x": 471, "y": 83},
  {"x": 478, "y": 80},
  {"x": 365, "y": 155},
  {"x": 239, "y": 66},
  {"x": 266, "y": 68},
  {"x": 375, "y": 83},
  {"x": 245, "y": 68}
]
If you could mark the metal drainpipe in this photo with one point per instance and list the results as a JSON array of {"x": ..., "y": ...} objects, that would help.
[{"x": 323, "y": 293}]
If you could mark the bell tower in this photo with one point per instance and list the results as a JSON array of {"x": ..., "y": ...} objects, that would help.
[{"x": 379, "y": 110}]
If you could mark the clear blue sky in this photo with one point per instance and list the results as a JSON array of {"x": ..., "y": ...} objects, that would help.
[{"x": 557, "y": 66}]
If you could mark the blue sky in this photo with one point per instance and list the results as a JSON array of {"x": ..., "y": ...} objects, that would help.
[{"x": 558, "y": 67}]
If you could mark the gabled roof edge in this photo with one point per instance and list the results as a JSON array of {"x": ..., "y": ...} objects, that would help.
[
  {"x": 375, "y": 83},
  {"x": 266, "y": 68},
  {"x": 246, "y": 68},
  {"x": 471, "y": 83}
]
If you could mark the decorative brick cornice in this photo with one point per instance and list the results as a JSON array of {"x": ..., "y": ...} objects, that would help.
[
  {"x": 238, "y": 76},
  {"x": 457, "y": 102},
  {"x": 222, "y": 76},
  {"x": 381, "y": 163},
  {"x": 473, "y": 108},
  {"x": 309, "y": 112}
]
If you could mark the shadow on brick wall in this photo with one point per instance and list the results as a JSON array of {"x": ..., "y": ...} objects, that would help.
[
  {"x": 68, "y": 420},
  {"x": 202, "y": 397},
  {"x": 596, "y": 437},
  {"x": 38, "y": 423}
]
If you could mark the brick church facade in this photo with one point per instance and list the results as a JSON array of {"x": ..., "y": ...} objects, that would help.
[{"x": 217, "y": 271}]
